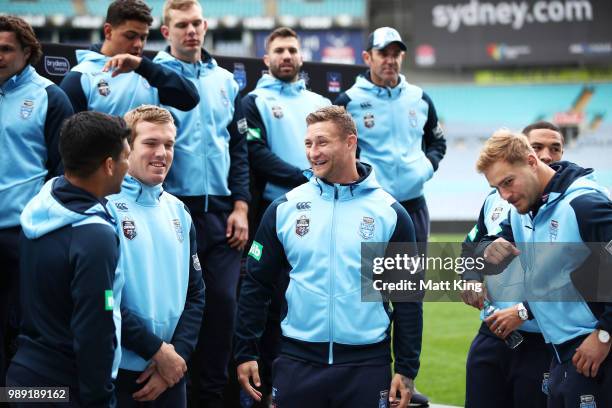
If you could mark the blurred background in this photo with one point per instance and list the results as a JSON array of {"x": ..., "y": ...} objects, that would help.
[{"x": 486, "y": 65}]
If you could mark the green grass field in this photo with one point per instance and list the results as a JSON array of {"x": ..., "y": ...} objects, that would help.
[{"x": 449, "y": 328}]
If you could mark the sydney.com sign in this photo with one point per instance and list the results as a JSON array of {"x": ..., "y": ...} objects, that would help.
[{"x": 476, "y": 33}]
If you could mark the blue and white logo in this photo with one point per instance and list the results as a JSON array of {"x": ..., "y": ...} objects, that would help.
[
  {"x": 26, "y": 108},
  {"x": 58, "y": 66},
  {"x": 240, "y": 75}
]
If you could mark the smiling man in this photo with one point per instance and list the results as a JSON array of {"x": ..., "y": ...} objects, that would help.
[
  {"x": 211, "y": 176},
  {"x": 163, "y": 295},
  {"x": 335, "y": 349},
  {"x": 114, "y": 77}
]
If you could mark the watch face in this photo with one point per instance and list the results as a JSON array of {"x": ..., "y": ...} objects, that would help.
[
  {"x": 603, "y": 336},
  {"x": 522, "y": 314}
]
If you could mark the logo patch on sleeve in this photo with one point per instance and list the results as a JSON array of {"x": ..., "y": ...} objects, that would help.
[
  {"x": 242, "y": 126},
  {"x": 256, "y": 250},
  {"x": 109, "y": 301},
  {"x": 196, "y": 262},
  {"x": 253, "y": 134}
]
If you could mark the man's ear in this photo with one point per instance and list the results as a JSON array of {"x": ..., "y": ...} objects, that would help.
[
  {"x": 108, "y": 166},
  {"x": 108, "y": 31},
  {"x": 532, "y": 160}
]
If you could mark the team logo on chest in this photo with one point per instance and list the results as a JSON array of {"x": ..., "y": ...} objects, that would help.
[
  {"x": 413, "y": 118},
  {"x": 366, "y": 228},
  {"x": 103, "y": 88},
  {"x": 26, "y": 108},
  {"x": 302, "y": 225},
  {"x": 178, "y": 228},
  {"x": 553, "y": 230},
  {"x": 277, "y": 111},
  {"x": 368, "y": 120},
  {"x": 121, "y": 206},
  {"x": 129, "y": 228},
  {"x": 496, "y": 213}
]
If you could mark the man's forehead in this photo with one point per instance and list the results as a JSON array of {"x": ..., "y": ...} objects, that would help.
[
  {"x": 133, "y": 25},
  {"x": 284, "y": 42},
  {"x": 8, "y": 37},
  {"x": 501, "y": 170},
  {"x": 548, "y": 136}
]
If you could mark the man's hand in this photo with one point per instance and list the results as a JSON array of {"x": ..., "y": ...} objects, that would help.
[
  {"x": 503, "y": 322},
  {"x": 499, "y": 250},
  {"x": 590, "y": 355},
  {"x": 237, "y": 230},
  {"x": 246, "y": 371},
  {"x": 154, "y": 386},
  {"x": 122, "y": 64},
  {"x": 473, "y": 298},
  {"x": 169, "y": 364},
  {"x": 405, "y": 386}
]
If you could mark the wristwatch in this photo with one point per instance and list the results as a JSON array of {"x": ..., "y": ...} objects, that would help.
[
  {"x": 522, "y": 312},
  {"x": 603, "y": 336}
]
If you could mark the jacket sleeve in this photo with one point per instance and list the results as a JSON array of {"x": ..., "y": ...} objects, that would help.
[
  {"x": 434, "y": 144},
  {"x": 59, "y": 108},
  {"x": 407, "y": 316},
  {"x": 594, "y": 214},
  {"x": 187, "y": 330},
  {"x": 173, "y": 89},
  {"x": 71, "y": 85},
  {"x": 94, "y": 254},
  {"x": 262, "y": 160},
  {"x": 266, "y": 262},
  {"x": 239, "y": 157},
  {"x": 136, "y": 336},
  {"x": 468, "y": 247}
]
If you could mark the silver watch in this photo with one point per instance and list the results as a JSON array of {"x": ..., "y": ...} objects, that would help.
[
  {"x": 522, "y": 312},
  {"x": 603, "y": 336}
]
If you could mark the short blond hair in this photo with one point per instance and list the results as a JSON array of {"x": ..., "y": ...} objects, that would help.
[
  {"x": 177, "y": 5},
  {"x": 337, "y": 115},
  {"x": 504, "y": 145},
  {"x": 147, "y": 113}
]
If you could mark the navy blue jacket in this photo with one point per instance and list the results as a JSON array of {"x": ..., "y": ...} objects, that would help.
[{"x": 69, "y": 292}]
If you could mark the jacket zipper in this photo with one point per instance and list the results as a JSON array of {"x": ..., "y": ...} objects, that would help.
[{"x": 331, "y": 278}]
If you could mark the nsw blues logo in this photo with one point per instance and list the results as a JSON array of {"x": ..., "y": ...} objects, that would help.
[
  {"x": 129, "y": 228},
  {"x": 546, "y": 383},
  {"x": 368, "y": 120},
  {"x": 103, "y": 88},
  {"x": 366, "y": 228},
  {"x": 383, "y": 400},
  {"x": 26, "y": 108},
  {"x": 553, "y": 230},
  {"x": 302, "y": 226}
]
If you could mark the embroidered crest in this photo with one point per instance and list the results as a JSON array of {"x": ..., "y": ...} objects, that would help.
[
  {"x": 587, "y": 401},
  {"x": 196, "y": 262},
  {"x": 496, "y": 213},
  {"x": 554, "y": 230},
  {"x": 302, "y": 226},
  {"x": 383, "y": 400},
  {"x": 129, "y": 228},
  {"x": 26, "y": 108},
  {"x": 413, "y": 118},
  {"x": 277, "y": 111},
  {"x": 368, "y": 120},
  {"x": 178, "y": 228},
  {"x": 366, "y": 228},
  {"x": 103, "y": 88}
]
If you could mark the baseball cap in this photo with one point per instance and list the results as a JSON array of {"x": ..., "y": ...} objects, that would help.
[{"x": 383, "y": 36}]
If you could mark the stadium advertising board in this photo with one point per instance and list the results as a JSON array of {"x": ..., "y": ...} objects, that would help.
[{"x": 476, "y": 33}]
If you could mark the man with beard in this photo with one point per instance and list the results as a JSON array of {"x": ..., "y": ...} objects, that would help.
[
  {"x": 276, "y": 113},
  {"x": 398, "y": 128},
  {"x": 114, "y": 77},
  {"x": 210, "y": 175}
]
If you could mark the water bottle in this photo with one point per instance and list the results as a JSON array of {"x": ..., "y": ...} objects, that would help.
[
  {"x": 245, "y": 399},
  {"x": 513, "y": 339}
]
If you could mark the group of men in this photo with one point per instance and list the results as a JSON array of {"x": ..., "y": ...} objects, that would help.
[
  {"x": 133, "y": 215},
  {"x": 126, "y": 197}
]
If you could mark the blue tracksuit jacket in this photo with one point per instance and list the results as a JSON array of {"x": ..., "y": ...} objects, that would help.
[
  {"x": 210, "y": 169},
  {"x": 91, "y": 89},
  {"x": 314, "y": 234},
  {"x": 163, "y": 295},
  {"x": 32, "y": 110},
  {"x": 399, "y": 134},
  {"x": 276, "y": 116}
]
